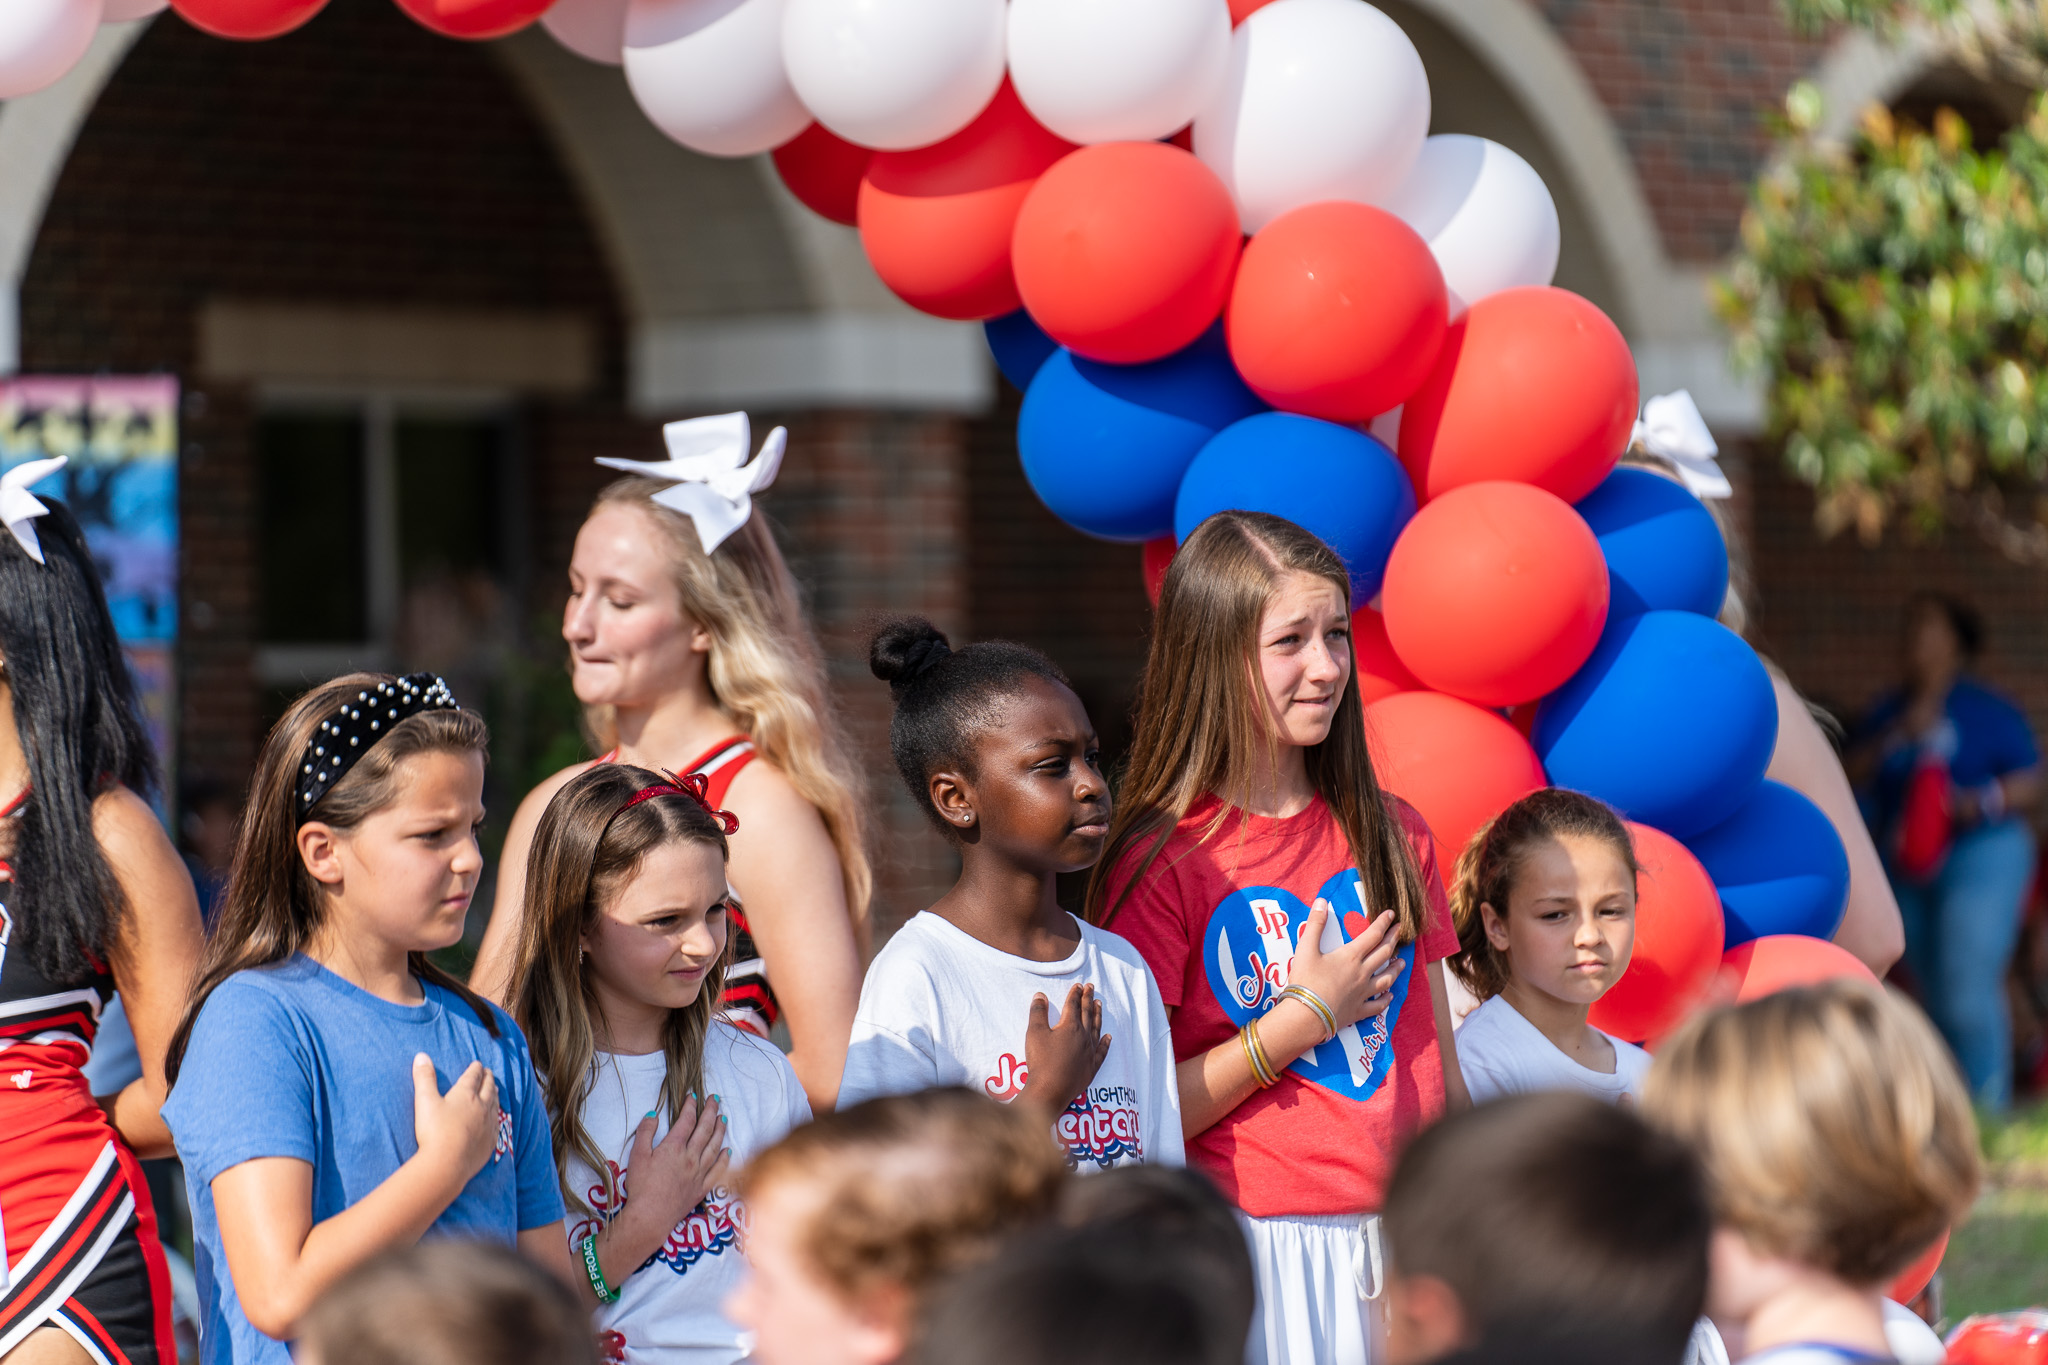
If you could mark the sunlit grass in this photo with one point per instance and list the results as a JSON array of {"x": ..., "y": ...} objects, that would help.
[{"x": 1998, "y": 1259}]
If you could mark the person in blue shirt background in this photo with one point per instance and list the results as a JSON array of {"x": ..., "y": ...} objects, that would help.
[{"x": 1944, "y": 734}]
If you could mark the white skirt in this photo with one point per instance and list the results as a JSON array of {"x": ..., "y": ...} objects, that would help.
[{"x": 1322, "y": 1283}]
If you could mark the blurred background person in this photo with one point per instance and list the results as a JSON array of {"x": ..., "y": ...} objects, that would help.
[{"x": 1949, "y": 771}]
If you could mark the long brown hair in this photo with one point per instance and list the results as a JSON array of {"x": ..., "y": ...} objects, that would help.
[
  {"x": 1201, "y": 715},
  {"x": 587, "y": 847},
  {"x": 1492, "y": 859},
  {"x": 764, "y": 671},
  {"x": 272, "y": 907}
]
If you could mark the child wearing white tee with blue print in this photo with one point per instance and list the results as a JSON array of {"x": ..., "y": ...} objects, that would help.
[
  {"x": 653, "y": 1100},
  {"x": 1545, "y": 906},
  {"x": 995, "y": 987}
]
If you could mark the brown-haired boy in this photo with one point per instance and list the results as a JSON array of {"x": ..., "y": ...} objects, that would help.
[{"x": 1545, "y": 1226}]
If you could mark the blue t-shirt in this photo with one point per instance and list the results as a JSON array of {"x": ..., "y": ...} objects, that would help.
[
  {"x": 290, "y": 1060},
  {"x": 1986, "y": 737}
]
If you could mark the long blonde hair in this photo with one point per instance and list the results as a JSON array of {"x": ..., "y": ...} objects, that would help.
[
  {"x": 763, "y": 669},
  {"x": 1201, "y": 715},
  {"x": 1831, "y": 1122},
  {"x": 588, "y": 845}
]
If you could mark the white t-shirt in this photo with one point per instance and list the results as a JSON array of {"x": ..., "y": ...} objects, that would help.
[
  {"x": 1501, "y": 1053},
  {"x": 1912, "y": 1341},
  {"x": 940, "y": 1007},
  {"x": 669, "y": 1309}
]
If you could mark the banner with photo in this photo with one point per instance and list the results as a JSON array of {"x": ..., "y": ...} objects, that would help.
[{"x": 120, "y": 434}]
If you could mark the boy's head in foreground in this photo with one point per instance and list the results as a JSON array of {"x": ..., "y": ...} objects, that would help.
[
  {"x": 448, "y": 1303},
  {"x": 853, "y": 1218},
  {"x": 1539, "y": 1215},
  {"x": 1836, "y": 1137}
]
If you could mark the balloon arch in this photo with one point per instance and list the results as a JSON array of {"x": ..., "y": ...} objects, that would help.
[{"x": 1215, "y": 246}]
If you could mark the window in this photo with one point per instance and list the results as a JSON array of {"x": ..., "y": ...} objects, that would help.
[{"x": 387, "y": 538}]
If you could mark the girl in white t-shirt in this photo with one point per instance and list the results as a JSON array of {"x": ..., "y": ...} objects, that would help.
[
  {"x": 652, "y": 1097},
  {"x": 1545, "y": 904},
  {"x": 995, "y": 987}
]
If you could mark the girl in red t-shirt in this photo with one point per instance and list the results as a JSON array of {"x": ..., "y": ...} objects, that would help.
[{"x": 1292, "y": 915}]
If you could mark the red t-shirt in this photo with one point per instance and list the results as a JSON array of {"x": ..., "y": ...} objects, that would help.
[{"x": 1217, "y": 922}]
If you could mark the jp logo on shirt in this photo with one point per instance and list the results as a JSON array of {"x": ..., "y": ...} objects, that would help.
[
  {"x": 706, "y": 1230},
  {"x": 503, "y": 1146},
  {"x": 1249, "y": 949}
]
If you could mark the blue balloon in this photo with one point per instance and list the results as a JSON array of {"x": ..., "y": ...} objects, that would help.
[
  {"x": 1019, "y": 346},
  {"x": 1672, "y": 722},
  {"x": 1664, "y": 552},
  {"x": 1104, "y": 446},
  {"x": 1332, "y": 480},
  {"x": 1779, "y": 866}
]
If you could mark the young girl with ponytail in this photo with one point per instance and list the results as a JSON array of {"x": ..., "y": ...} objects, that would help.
[
  {"x": 335, "y": 1094},
  {"x": 653, "y": 1097},
  {"x": 1290, "y": 912},
  {"x": 1545, "y": 905}
]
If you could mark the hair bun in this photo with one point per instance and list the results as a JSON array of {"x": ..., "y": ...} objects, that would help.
[{"x": 906, "y": 649}]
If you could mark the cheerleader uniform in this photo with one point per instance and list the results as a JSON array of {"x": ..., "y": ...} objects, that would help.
[
  {"x": 749, "y": 1000},
  {"x": 79, "y": 1232}
]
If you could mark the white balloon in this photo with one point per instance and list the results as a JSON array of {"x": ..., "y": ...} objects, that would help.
[
  {"x": 1323, "y": 99},
  {"x": 121, "y": 11},
  {"x": 595, "y": 29},
  {"x": 1117, "y": 70},
  {"x": 40, "y": 40},
  {"x": 709, "y": 73},
  {"x": 1485, "y": 214},
  {"x": 895, "y": 74}
]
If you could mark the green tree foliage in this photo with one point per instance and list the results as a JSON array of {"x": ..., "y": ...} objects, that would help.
[{"x": 1893, "y": 294}]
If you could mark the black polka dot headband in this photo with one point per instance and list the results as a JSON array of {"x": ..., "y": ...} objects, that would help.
[{"x": 355, "y": 725}]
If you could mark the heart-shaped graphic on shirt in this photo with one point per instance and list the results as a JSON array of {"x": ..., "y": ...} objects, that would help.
[{"x": 1248, "y": 949}]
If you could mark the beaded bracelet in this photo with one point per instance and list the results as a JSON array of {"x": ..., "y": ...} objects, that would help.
[
  {"x": 1317, "y": 1005},
  {"x": 605, "y": 1293},
  {"x": 1255, "y": 1054}
]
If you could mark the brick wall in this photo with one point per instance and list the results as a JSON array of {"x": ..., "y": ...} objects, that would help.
[
  {"x": 1829, "y": 612},
  {"x": 1687, "y": 83}
]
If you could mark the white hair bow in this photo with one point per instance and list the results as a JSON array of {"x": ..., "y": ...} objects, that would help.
[
  {"x": 19, "y": 508},
  {"x": 1672, "y": 429},
  {"x": 715, "y": 483}
]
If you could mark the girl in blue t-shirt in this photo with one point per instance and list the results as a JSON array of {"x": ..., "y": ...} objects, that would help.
[{"x": 334, "y": 1093}]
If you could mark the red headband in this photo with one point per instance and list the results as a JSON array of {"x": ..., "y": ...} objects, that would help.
[{"x": 695, "y": 786}]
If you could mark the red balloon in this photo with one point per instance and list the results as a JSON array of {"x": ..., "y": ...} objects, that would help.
[
  {"x": 1532, "y": 384},
  {"x": 936, "y": 221},
  {"x": 1241, "y": 10},
  {"x": 824, "y": 170},
  {"x": 1380, "y": 671},
  {"x": 1159, "y": 555},
  {"x": 476, "y": 19},
  {"x": 1918, "y": 1275},
  {"x": 247, "y": 19},
  {"x": 1495, "y": 592},
  {"x": 1457, "y": 764},
  {"x": 1338, "y": 312},
  {"x": 1678, "y": 942},
  {"x": 1124, "y": 251},
  {"x": 1776, "y": 961}
]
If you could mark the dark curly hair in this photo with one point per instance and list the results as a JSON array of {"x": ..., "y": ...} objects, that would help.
[{"x": 945, "y": 697}]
